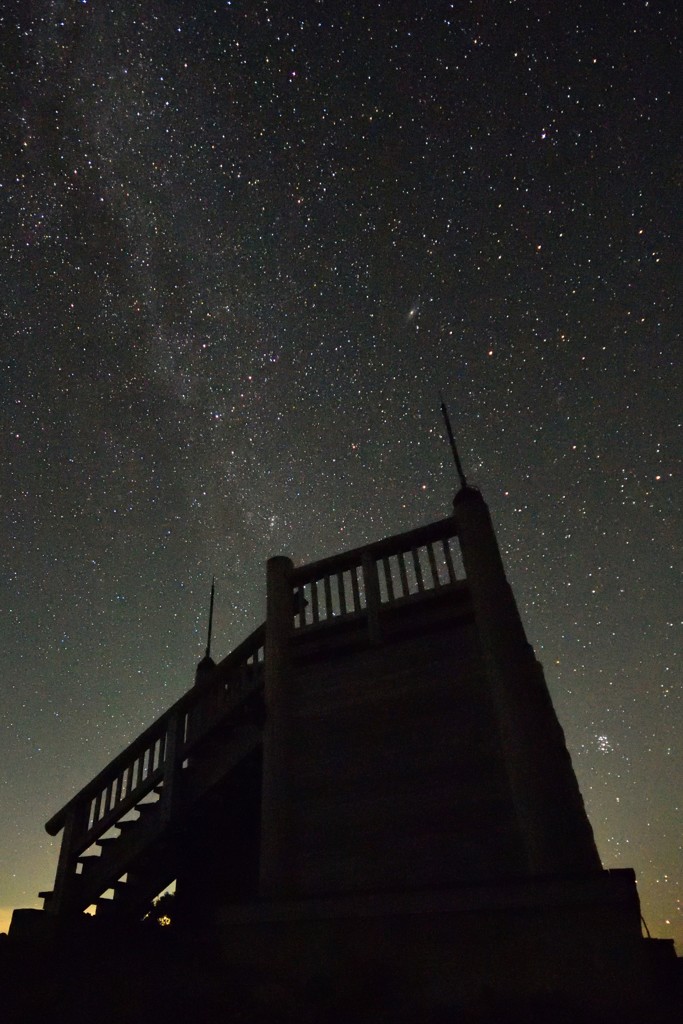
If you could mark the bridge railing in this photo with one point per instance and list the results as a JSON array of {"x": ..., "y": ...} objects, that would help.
[
  {"x": 154, "y": 761},
  {"x": 386, "y": 572}
]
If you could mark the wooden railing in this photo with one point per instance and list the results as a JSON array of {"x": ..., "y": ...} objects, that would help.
[
  {"x": 386, "y": 572},
  {"x": 154, "y": 761}
]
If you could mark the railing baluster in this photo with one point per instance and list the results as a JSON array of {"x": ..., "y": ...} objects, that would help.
[
  {"x": 342, "y": 593},
  {"x": 101, "y": 807},
  {"x": 174, "y": 746},
  {"x": 355, "y": 588},
  {"x": 388, "y": 580},
  {"x": 314, "y": 601},
  {"x": 418, "y": 570},
  {"x": 432, "y": 565},
  {"x": 449, "y": 559},
  {"x": 403, "y": 575},
  {"x": 117, "y": 789},
  {"x": 300, "y": 605},
  {"x": 372, "y": 595},
  {"x": 329, "y": 611}
]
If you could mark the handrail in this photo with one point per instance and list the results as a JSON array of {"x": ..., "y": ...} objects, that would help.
[
  {"x": 301, "y": 576},
  {"x": 156, "y": 729},
  {"x": 376, "y": 549},
  {"x": 358, "y": 584}
]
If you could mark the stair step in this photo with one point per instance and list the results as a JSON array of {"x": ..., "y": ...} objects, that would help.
[
  {"x": 46, "y": 895},
  {"x": 86, "y": 860},
  {"x": 125, "y": 897},
  {"x": 146, "y": 856},
  {"x": 147, "y": 807}
]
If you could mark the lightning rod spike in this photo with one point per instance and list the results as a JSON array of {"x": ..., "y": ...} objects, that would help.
[
  {"x": 456, "y": 457},
  {"x": 208, "y": 639}
]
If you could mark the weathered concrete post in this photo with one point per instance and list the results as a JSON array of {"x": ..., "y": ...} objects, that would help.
[
  {"x": 542, "y": 781},
  {"x": 75, "y": 826},
  {"x": 276, "y": 852}
]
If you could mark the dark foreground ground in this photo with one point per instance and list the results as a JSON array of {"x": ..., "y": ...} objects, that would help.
[{"x": 155, "y": 974}]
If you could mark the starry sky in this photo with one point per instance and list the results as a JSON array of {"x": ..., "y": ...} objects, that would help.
[{"x": 245, "y": 245}]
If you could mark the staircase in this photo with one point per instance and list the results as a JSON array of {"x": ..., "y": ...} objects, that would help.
[
  {"x": 119, "y": 836},
  {"x": 122, "y": 832}
]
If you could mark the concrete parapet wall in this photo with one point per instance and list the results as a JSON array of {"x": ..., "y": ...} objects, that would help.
[
  {"x": 547, "y": 942},
  {"x": 394, "y": 771}
]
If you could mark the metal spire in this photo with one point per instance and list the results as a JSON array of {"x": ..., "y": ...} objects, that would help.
[
  {"x": 456, "y": 457},
  {"x": 208, "y": 639}
]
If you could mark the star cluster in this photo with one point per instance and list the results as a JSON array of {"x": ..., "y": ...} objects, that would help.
[{"x": 246, "y": 245}]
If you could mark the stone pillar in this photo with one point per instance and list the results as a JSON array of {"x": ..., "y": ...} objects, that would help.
[
  {"x": 553, "y": 822},
  {"x": 276, "y": 846}
]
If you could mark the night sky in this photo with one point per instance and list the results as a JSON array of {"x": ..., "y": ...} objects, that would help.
[{"x": 245, "y": 246}]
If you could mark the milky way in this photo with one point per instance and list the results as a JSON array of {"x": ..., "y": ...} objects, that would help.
[{"x": 246, "y": 246}]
